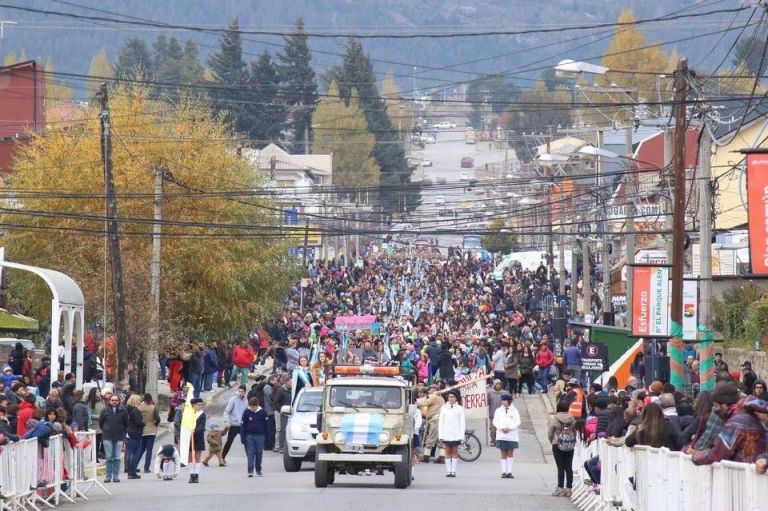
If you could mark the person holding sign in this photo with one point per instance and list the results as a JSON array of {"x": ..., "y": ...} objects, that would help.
[
  {"x": 506, "y": 420},
  {"x": 450, "y": 430}
]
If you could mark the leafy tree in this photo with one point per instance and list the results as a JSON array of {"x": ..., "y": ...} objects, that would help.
[
  {"x": 10, "y": 58},
  {"x": 299, "y": 87},
  {"x": 343, "y": 131},
  {"x": 398, "y": 110},
  {"x": 211, "y": 282},
  {"x": 499, "y": 237},
  {"x": 357, "y": 72},
  {"x": 134, "y": 61},
  {"x": 749, "y": 51},
  {"x": 531, "y": 116},
  {"x": 231, "y": 76},
  {"x": 624, "y": 53},
  {"x": 267, "y": 109},
  {"x": 731, "y": 314},
  {"x": 55, "y": 92},
  {"x": 100, "y": 67},
  {"x": 494, "y": 90}
]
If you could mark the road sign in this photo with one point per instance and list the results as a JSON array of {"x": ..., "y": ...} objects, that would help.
[{"x": 593, "y": 356}]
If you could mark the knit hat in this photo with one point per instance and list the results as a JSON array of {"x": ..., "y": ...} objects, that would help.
[
  {"x": 7, "y": 368},
  {"x": 725, "y": 392}
]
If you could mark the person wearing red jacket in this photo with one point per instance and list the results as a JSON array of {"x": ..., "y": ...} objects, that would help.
[
  {"x": 544, "y": 359},
  {"x": 242, "y": 358},
  {"x": 26, "y": 411}
]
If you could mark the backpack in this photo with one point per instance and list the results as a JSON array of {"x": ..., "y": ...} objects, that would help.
[{"x": 566, "y": 437}]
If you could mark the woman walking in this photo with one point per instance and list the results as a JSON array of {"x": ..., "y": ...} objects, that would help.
[
  {"x": 134, "y": 433},
  {"x": 450, "y": 430},
  {"x": 562, "y": 436},
  {"x": 253, "y": 432},
  {"x": 151, "y": 421},
  {"x": 506, "y": 420},
  {"x": 526, "y": 370}
]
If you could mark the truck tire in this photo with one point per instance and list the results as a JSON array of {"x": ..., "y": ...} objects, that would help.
[
  {"x": 322, "y": 469},
  {"x": 290, "y": 464},
  {"x": 403, "y": 469}
]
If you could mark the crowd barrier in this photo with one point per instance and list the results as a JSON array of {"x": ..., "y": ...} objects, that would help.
[
  {"x": 649, "y": 479},
  {"x": 33, "y": 477}
]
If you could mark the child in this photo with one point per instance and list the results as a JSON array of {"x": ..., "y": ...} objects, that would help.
[
  {"x": 214, "y": 439},
  {"x": 8, "y": 377},
  {"x": 167, "y": 463}
]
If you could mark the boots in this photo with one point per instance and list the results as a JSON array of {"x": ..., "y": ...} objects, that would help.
[{"x": 191, "y": 478}]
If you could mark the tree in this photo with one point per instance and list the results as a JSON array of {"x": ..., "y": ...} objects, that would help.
[
  {"x": 499, "y": 237},
  {"x": 398, "y": 109},
  {"x": 134, "y": 61},
  {"x": 749, "y": 51},
  {"x": 55, "y": 92},
  {"x": 356, "y": 72},
  {"x": 219, "y": 276},
  {"x": 191, "y": 68},
  {"x": 494, "y": 91},
  {"x": 625, "y": 54},
  {"x": 230, "y": 79},
  {"x": 267, "y": 108},
  {"x": 299, "y": 87},
  {"x": 10, "y": 58},
  {"x": 343, "y": 131},
  {"x": 531, "y": 116},
  {"x": 99, "y": 69}
]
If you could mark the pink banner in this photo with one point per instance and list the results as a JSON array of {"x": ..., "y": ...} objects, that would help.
[{"x": 354, "y": 322}]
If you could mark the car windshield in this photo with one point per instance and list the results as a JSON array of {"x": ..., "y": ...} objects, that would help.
[
  {"x": 310, "y": 402},
  {"x": 366, "y": 397}
]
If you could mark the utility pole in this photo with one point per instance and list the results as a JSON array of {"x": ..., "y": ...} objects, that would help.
[
  {"x": 629, "y": 188},
  {"x": 706, "y": 345},
  {"x": 678, "y": 223},
  {"x": 118, "y": 295},
  {"x": 154, "y": 286},
  {"x": 606, "y": 256},
  {"x": 561, "y": 252},
  {"x": 587, "y": 279},
  {"x": 666, "y": 179},
  {"x": 306, "y": 242}
]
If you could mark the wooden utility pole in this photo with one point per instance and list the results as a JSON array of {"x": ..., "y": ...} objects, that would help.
[
  {"x": 306, "y": 242},
  {"x": 118, "y": 295},
  {"x": 678, "y": 228},
  {"x": 153, "y": 332}
]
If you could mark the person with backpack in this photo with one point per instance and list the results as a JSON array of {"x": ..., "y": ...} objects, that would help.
[
  {"x": 562, "y": 436},
  {"x": 506, "y": 420}
]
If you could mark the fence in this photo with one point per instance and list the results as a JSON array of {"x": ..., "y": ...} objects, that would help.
[
  {"x": 33, "y": 476},
  {"x": 644, "y": 478}
]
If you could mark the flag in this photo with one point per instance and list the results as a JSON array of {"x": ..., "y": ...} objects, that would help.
[{"x": 188, "y": 423}]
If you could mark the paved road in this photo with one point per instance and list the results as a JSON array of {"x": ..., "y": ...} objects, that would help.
[{"x": 478, "y": 485}]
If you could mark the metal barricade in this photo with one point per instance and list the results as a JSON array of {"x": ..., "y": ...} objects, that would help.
[
  {"x": 729, "y": 486},
  {"x": 7, "y": 477},
  {"x": 583, "y": 497},
  {"x": 82, "y": 465},
  {"x": 50, "y": 473}
]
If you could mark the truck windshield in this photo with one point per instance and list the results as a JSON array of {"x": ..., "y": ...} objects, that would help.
[
  {"x": 310, "y": 402},
  {"x": 366, "y": 397}
]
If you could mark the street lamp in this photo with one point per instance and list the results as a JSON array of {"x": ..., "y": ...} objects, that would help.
[{"x": 571, "y": 69}]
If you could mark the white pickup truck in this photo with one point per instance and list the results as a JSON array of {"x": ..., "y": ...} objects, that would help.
[{"x": 445, "y": 125}]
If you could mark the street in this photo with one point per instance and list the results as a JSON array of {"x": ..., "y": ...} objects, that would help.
[{"x": 477, "y": 485}]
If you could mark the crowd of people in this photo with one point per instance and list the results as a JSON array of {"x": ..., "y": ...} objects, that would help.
[{"x": 440, "y": 320}]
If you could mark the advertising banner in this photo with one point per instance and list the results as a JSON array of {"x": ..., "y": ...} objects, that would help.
[
  {"x": 690, "y": 309},
  {"x": 650, "y": 301},
  {"x": 757, "y": 204}
]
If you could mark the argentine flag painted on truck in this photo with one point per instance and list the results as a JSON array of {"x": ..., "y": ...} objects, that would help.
[{"x": 362, "y": 428}]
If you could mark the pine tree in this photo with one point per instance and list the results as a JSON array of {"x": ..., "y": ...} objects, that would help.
[
  {"x": 299, "y": 87},
  {"x": 266, "y": 107},
  {"x": 100, "y": 68},
  {"x": 230, "y": 79},
  {"x": 134, "y": 61},
  {"x": 342, "y": 130},
  {"x": 357, "y": 72},
  {"x": 167, "y": 59},
  {"x": 191, "y": 67}
]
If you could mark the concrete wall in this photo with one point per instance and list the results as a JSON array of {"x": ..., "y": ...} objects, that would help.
[{"x": 735, "y": 356}]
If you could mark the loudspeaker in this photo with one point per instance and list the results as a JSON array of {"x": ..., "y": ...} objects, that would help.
[
  {"x": 558, "y": 327},
  {"x": 662, "y": 364}
]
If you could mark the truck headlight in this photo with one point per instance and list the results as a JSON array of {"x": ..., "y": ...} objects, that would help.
[
  {"x": 300, "y": 430},
  {"x": 383, "y": 438},
  {"x": 338, "y": 438}
]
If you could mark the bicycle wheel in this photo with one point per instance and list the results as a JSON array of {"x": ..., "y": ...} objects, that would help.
[{"x": 471, "y": 448}]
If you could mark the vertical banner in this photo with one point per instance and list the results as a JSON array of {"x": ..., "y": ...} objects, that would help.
[
  {"x": 757, "y": 207},
  {"x": 650, "y": 301},
  {"x": 690, "y": 309}
]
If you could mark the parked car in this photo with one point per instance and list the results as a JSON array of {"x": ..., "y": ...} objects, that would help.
[
  {"x": 464, "y": 176},
  {"x": 467, "y": 162},
  {"x": 426, "y": 162},
  {"x": 445, "y": 125},
  {"x": 441, "y": 180},
  {"x": 301, "y": 430},
  {"x": 440, "y": 199},
  {"x": 428, "y": 139},
  {"x": 426, "y": 182}
]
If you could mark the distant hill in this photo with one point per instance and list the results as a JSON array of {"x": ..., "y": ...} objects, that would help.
[{"x": 71, "y": 43}]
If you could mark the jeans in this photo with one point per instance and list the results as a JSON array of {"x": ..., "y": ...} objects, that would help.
[
  {"x": 281, "y": 421},
  {"x": 243, "y": 372},
  {"x": 544, "y": 378},
  {"x": 196, "y": 381},
  {"x": 112, "y": 450},
  {"x": 147, "y": 445},
  {"x": 529, "y": 380},
  {"x": 269, "y": 441},
  {"x": 132, "y": 452},
  {"x": 254, "y": 448},
  {"x": 231, "y": 435},
  {"x": 207, "y": 382},
  {"x": 564, "y": 462}
]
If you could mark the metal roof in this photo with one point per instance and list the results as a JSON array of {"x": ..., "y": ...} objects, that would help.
[{"x": 64, "y": 289}]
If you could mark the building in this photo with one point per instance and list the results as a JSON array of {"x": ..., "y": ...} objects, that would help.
[{"x": 22, "y": 103}]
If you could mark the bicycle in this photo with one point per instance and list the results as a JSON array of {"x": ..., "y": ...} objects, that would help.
[{"x": 470, "y": 448}]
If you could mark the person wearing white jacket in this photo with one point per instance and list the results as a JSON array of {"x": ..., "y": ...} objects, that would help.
[
  {"x": 450, "y": 430},
  {"x": 506, "y": 420}
]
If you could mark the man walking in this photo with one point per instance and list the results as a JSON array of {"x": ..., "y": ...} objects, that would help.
[
  {"x": 283, "y": 398},
  {"x": 233, "y": 415},
  {"x": 270, "y": 394},
  {"x": 432, "y": 405}
]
